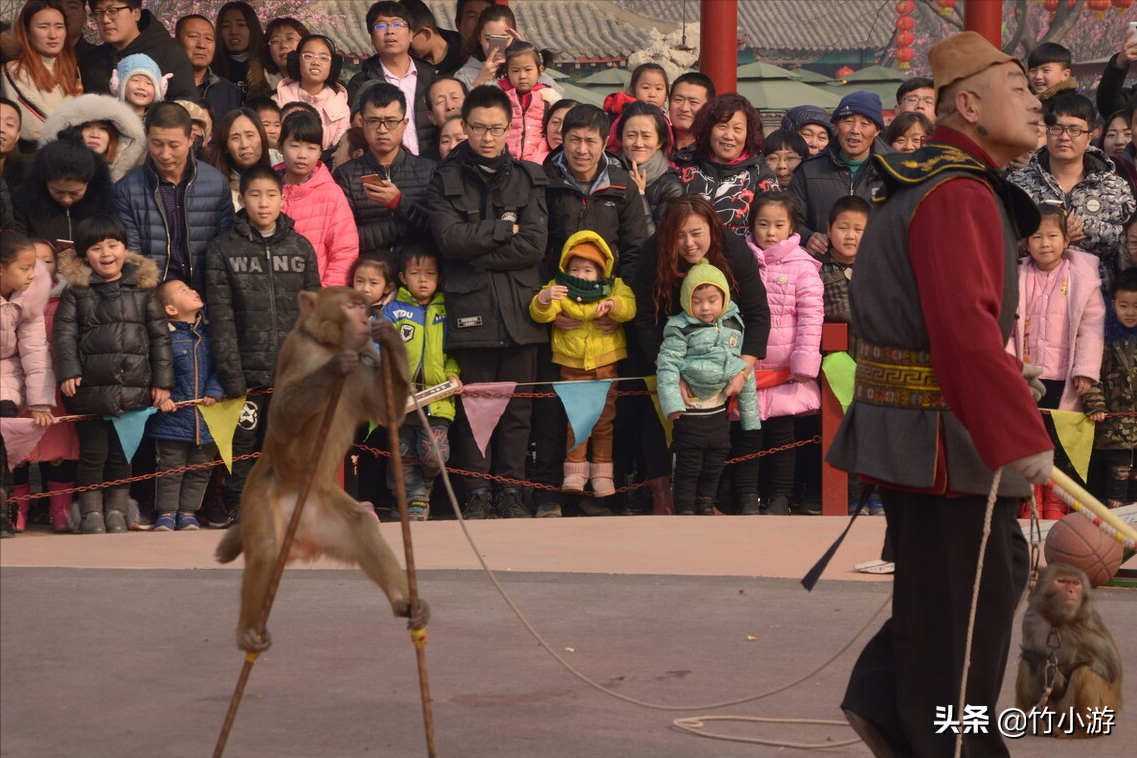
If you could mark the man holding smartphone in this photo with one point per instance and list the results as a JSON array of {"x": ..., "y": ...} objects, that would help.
[
  {"x": 386, "y": 186},
  {"x": 1112, "y": 95}
]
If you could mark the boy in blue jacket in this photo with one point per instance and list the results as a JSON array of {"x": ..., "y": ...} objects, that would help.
[
  {"x": 703, "y": 347},
  {"x": 180, "y": 435},
  {"x": 419, "y": 315}
]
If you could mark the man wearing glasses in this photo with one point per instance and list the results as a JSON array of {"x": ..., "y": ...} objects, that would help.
[
  {"x": 1068, "y": 171},
  {"x": 389, "y": 24},
  {"x": 386, "y": 186},
  {"x": 489, "y": 221},
  {"x": 917, "y": 94},
  {"x": 126, "y": 29}
]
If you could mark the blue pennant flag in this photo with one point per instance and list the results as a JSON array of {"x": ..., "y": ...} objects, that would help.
[
  {"x": 583, "y": 402},
  {"x": 130, "y": 427}
]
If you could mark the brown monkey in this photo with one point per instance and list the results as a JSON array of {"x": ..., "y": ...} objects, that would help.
[
  {"x": 1061, "y": 620},
  {"x": 333, "y": 338}
]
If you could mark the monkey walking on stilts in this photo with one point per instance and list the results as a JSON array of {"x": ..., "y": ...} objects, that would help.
[
  {"x": 333, "y": 339},
  {"x": 1061, "y": 627}
]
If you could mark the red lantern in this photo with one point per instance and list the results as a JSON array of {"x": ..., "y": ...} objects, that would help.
[
  {"x": 1051, "y": 6},
  {"x": 945, "y": 6},
  {"x": 904, "y": 55},
  {"x": 1122, "y": 6},
  {"x": 904, "y": 7},
  {"x": 904, "y": 39},
  {"x": 843, "y": 72},
  {"x": 904, "y": 23},
  {"x": 1099, "y": 7}
]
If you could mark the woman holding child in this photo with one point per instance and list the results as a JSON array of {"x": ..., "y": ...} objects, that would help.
[{"x": 689, "y": 232}]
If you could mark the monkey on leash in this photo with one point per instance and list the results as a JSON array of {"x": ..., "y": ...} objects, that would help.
[{"x": 333, "y": 339}]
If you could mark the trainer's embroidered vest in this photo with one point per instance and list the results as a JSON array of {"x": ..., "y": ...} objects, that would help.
[{"x": 892, "y": 430}]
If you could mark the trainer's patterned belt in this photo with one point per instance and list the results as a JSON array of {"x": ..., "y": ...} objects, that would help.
[{"x": 897, "y": 378}]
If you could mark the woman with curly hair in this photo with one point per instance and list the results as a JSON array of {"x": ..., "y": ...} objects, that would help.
[{"x": 725, "y": 163}]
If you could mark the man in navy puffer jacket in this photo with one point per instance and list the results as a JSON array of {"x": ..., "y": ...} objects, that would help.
[{"x": 173, "y": 205}]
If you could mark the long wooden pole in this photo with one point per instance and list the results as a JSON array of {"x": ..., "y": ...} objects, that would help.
[
  {"x": 418, "y": 636},
  {"x": 278, "y": 569}
]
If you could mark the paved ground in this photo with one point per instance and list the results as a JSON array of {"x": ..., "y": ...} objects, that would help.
[{"x": 121, "y": 645}]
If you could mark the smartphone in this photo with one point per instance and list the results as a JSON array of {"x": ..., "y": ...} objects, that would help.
[
  {"x": 498, "y": 42},
  {"x": 1132, "y": 36},
  {"x": 371, "y": 179}
]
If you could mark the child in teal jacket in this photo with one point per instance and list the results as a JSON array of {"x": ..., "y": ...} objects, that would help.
[
  {"x": 419, "y": 315},
  {"x": 702, "y": 346}
]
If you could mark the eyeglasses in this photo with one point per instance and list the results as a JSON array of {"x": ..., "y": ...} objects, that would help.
[
  {"x": 479, "y": 131},
  {"x": 321, "y": 57},
  {"x": 110, "y": 13},
  {"x": 384, "y": 124},
  {"x": 917, "y": 100},
  {"x": 393, "y": 26},
  {"x": 1073, "y": 131},
  {"x": 280, "y": 41}
]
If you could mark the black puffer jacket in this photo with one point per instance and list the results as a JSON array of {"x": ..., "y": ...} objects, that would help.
[
  {"x": 491, "y": 274},
  {"x": 729, "y": 186},
  {"x": 252, "y": 286},
  {"x": 153, "y": 40},
  {"x": 113, "y": 335},
  {"x": 824, "y": 179},
  {"x": 37, "y": 215},
  {"x": 614, "y": 210},
  {"x": 382, "y": 229},
  {"x": 419, "y": 110}
]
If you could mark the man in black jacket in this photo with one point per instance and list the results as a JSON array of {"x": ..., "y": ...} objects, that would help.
[
  {"x": 394, "y": 64},
  {"x": 1112, "y": 94},
  {"x": 126, "y": 29},
  {"x": 843, "y": 168},
  {"x": 588, "y": 189},
  {"x": 488, "y": 218},
  {"x": 386, "y": 186},
  {"x": 196, "y": 36}
]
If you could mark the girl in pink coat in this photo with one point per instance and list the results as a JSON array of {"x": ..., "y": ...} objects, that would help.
[
  {"x": 313, "y": 78},
  {"x": 315, "y": 203},
  {"x": 27, "y": 381},
  {"x": 787, "y": 377},
  {"x": 1060, "y": 326},
  {"x": 530, "y": 99}
]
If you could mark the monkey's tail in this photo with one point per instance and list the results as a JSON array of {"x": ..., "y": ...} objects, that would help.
[{"x": 230, "y": 546}]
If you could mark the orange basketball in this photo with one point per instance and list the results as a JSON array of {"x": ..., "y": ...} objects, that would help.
[{"x": 1077, "y": 541}]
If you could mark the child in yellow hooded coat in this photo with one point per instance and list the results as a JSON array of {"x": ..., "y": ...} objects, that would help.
[{"x": 585, "y": 290}]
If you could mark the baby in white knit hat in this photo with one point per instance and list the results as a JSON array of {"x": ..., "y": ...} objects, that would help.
[{"x": 139, "y": 82}]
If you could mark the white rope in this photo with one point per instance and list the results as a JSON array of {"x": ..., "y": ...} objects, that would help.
[
  {"x": 992, "y": 496},
  {"x": 682, "y": 724}
]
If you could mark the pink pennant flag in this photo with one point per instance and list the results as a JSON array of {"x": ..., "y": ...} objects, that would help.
[
  {"x": 21, "y": 435},
  {"x": 483, "y": 413}
]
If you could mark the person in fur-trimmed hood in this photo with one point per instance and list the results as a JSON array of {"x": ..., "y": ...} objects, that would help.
[
  {"x": 112, "y": 355},
  {"x": 110, "y": 127}
]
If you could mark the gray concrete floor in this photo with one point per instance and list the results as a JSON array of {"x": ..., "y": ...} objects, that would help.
[{"x": 127, "y": 662}]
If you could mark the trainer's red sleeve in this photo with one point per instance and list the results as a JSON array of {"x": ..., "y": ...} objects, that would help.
[{"x": 955, "y": 243}]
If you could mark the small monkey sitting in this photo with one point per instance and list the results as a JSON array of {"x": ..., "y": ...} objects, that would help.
[
  {"x": 1061, "y": 620},
  {"x": 332, "y": 339}
]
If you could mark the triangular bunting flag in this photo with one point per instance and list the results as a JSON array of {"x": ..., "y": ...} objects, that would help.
[
  {"x": 652, "y": 386},
  {"x": 1076, "y": 435},
  {"x": 371, "y": 427},
  {"x": 21, "y": 435},
  {"x": 483, "y": 413},
  {"x": 583, "y": 402},
  {"x": 130, "y": 427},
  {"x": 221, "y": 418},
  {"x": 840, "y": 371}
]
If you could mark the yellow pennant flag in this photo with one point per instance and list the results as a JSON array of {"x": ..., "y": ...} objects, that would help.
[
  {"x": 222, "y": 418},
  {"x": 1076, "y": 435},
  {"x": 652, "y": 386}
]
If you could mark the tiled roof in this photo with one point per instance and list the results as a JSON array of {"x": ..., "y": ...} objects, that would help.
[
  {"x": 574, "y": 29},
  {"x": 812, "y": 26}
]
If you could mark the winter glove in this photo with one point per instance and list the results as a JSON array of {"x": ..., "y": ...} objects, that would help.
[
  {"x": 1035, "y": 468},
  {"x": 1031, "y": 374}
]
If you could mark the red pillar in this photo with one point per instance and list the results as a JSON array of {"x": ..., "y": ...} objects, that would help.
[
  {"x": 985, "y": 17},
  {"x": 718, "y": 43}
]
